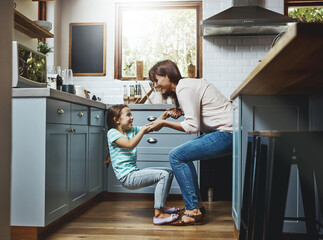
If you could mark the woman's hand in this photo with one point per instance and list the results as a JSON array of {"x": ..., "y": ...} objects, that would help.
[
  {"x": 155, "y": 125},
  {"x": 174, "y": 113}
]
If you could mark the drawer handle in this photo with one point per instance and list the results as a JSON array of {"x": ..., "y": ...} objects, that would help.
[
  {"x": 151, "y": 118},
  {"x": 152, "y": 140},
  {"x": 80, "y": 114},
  {"x": 60, "y": 111},
  {"x": 97, "y": 117}
]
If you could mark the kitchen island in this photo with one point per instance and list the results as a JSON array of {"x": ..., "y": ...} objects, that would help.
[{"x": 284, "y": 92}]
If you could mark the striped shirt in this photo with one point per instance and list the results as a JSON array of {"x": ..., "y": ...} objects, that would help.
[{"x": 123, "y": 160}]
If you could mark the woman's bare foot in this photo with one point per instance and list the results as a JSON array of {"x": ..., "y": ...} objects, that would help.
[{"x": 188, "y": 213}]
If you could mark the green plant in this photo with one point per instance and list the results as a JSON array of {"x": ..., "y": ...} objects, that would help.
[
  {"x": 44, "y": 48},
  {"x": 307, "y": 15}
]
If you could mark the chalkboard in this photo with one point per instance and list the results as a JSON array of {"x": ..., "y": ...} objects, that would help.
[{"x": 87, "y": 53}]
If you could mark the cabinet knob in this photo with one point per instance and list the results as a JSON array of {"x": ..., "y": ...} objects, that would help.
[
  {"x": 151, "y": 118},
  {"x": 97, "y": 117},
  {"x": 80, "y": 114},
  {"x": 152, "y": 140},
  {"x": 60, "y": 111}
]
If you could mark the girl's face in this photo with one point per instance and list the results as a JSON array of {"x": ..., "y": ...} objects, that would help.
[
  {"x": 163, "y": 83},
  {"x": 125, "y": 120}
]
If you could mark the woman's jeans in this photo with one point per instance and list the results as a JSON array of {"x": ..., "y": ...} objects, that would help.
[
  {"x": 206, "y": 146},
  {"x": 149, "y": 176}
]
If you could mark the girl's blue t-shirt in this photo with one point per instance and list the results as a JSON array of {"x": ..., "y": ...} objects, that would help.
[{"x": 123, "y": 160}]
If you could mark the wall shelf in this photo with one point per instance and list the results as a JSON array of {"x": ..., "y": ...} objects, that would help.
[{"x": 28, "y": 27}]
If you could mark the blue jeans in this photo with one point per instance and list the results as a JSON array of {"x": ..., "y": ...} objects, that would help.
[
  {"x": 149, "y": 176},
  {"x": 206, "y": 146}
]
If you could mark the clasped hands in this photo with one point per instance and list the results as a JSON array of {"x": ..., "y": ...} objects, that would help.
[{"x": 156, "y": 125}]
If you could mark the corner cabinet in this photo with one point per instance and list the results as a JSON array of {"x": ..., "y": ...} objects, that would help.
[
  {"x": 152, "y": 151},
  {"x": 55, "y": 159}
]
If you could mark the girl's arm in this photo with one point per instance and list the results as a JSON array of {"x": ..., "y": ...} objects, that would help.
[
  {"x": 159, "y": 123},
  {"x": 133, "y": 142}
]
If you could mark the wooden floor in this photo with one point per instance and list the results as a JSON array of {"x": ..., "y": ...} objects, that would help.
[{"x": 132, "y": 220}]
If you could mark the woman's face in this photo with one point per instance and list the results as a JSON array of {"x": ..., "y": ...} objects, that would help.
[{"x": 164, "y": 84}]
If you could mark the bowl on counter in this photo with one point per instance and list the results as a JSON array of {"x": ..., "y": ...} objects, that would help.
[{"x": 44, "y": 24}]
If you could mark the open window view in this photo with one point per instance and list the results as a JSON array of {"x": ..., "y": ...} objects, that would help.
[
  {"x": 307, "y": 14},
  {"x": 153, "y": 34}
]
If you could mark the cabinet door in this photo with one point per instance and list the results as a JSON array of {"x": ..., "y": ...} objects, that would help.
[
  {"x": 96, "y": 159},
  {"x": 57, "y": 154},
  {"x": 78, "y": 165}
]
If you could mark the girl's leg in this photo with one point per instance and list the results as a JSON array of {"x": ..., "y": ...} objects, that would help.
[
  {"x": 147, "y": 177},
  {"x": 204, "y": 147}
]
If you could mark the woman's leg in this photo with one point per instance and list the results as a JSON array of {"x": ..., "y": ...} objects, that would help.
[{"x": 206, "y": 146}]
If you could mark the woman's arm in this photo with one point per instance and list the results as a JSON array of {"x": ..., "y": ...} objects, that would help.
[{"x": 133, "y": 142}]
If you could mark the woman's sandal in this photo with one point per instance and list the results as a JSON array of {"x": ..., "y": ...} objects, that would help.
[
  {"x": 202, "y": 210},
  {"x": 171, "y": 210},
  {"x": 198, "y": 220}
]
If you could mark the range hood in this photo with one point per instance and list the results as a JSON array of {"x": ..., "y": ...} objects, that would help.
[{"x": 245, "y": 18}]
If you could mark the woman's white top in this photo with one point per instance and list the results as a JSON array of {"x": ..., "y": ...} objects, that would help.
[{"x": 205, "y": 108}]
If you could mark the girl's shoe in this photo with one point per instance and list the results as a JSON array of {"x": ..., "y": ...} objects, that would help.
[
  {"x": 171, "y": 210},
  {"x": 161, "y": 221}
]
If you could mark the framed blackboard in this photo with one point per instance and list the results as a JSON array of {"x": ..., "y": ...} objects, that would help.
[{"x": 87, "y": 49}]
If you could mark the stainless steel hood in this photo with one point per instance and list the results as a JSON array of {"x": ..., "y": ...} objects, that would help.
[{"x": 245, "y": 18}]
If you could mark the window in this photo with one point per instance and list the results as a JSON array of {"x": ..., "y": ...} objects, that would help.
[
  {"x": 151, "y": 32},
  {"x": 305, "y": 10}
]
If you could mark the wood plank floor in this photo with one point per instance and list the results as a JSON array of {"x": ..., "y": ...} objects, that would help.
[{"x": 132, "y": 220}]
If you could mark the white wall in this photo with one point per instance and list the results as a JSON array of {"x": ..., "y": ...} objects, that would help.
[
  {"x": 227, "y": 61},
  {"x": 6, "y": 16}
]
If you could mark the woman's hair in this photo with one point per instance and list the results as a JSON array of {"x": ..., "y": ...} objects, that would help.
[
  {"x": 114, "y": 112},
  {"x": 166, "y": 68},
  {"x": 163, "y": 68}
]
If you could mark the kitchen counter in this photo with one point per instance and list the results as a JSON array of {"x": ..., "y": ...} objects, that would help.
[
  {"x": 59, "y": 95},
  {"x": 292, "y": 67},
  {"x": 54, "y": 94}
]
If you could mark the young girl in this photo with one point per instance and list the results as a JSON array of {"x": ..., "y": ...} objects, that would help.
[{"x": 123, "y": 138}]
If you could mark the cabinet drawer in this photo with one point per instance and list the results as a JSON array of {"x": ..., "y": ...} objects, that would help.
[
  {"x": 58, "y": 112},
  {"x": 79, "y": 114},
  {"x": 143, "y": 117},
  {"x": 161, "y": 143},
  {"x": 97, "y": 117}
]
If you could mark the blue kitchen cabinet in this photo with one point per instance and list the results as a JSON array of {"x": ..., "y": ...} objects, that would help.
[
  {"x": 50, "y": 161},
  {"x": 153, "y": 150},
  {"x": 256, "y": 113},
  {"x": 78, "y": 165},
  {"x": 97, "y": 143},
  {"x": 56, "y": 183}
]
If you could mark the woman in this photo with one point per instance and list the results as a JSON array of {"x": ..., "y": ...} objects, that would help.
[{"x": 205, "y": 111}]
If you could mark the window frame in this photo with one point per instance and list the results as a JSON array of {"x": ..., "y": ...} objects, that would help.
[
  {"x": 167, "y": 5},
  {"x": 301, "y": 3}
]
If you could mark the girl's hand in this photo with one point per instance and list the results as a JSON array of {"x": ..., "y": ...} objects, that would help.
[
  {"x": 145, "y": 129},
  {"x": 155, "y": 125}
]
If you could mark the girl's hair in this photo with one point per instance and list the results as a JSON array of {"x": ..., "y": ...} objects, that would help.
[
  {"x": 166, "y": 68},
  {"x": 114, "y": 112}
]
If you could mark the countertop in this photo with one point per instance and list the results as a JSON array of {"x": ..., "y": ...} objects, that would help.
[
  {"x": 63, "y": 96},
  {"x": 292, "y": 67}
]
